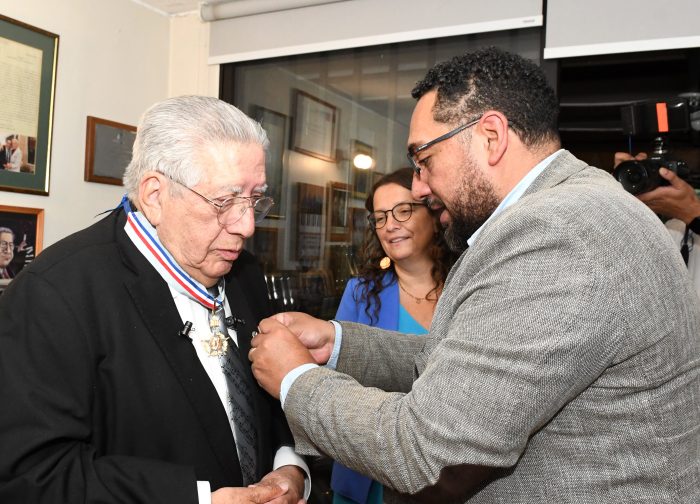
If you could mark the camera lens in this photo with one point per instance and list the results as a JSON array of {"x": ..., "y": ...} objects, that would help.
[{"x": 633, "y": 176}]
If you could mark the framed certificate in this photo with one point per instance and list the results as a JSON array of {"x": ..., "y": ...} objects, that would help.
[{"x": 28, "y": 57}]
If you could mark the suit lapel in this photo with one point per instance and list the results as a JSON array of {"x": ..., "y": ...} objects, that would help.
[{"x": 153, "y": 300}]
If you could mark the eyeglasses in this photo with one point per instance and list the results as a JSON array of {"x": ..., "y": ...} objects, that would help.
[
  {"x": 401, "y": 213},
  {"x": 5, "y": 245},
  {"x": 231, "y": 209},
  {"x": 412, "y": 151}
]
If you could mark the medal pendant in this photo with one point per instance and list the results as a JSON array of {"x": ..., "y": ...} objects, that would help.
[{"x": 217, "y": 345}]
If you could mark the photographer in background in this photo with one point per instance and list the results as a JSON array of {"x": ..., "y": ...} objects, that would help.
[{"x": 680, "y": 204}]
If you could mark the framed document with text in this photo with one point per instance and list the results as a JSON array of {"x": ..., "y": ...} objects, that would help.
[
  {"x": 315, "y": 127},
  {"x": 28, "y": 57}
]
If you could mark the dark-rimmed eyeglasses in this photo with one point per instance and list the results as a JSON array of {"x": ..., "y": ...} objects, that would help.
[
  {"x": 232, "y": 208},
  {"x": 401, "y": 213},
  {"x": 5, "y": 245},
  {"x": 413, "y": 151}
]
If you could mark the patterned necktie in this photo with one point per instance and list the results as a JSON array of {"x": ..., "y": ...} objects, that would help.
[{"x": 241, "y": 404}]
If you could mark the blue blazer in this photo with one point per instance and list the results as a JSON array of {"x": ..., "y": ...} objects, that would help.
[
  {"x": 351, "y": 309},
  {"x": 344, "y": 481}
]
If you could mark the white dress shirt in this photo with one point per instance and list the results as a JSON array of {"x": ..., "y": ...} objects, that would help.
[{"x": 194, "y": 312}]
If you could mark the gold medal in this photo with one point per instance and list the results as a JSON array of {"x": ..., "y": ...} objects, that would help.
[{"x": 217, "y": 345}]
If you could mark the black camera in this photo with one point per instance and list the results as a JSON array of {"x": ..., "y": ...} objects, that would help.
[
  {"x": 656, "y": 119},
  {"x": 642, "y": 176}
]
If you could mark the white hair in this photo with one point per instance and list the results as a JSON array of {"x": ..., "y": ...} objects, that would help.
[
  {"x": 7, "y": 230},
  {"x": 173, "y": 133}
]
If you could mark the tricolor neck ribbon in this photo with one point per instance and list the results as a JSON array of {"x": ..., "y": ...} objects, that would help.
[{"x": 145, "y": 238}]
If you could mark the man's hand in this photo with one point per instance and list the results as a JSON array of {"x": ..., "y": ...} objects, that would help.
[
  {"x": 677, "y": 200},
  {"x": 624, "y": 156},
  {"x": 254, "y": 494},
  {"x": 317, "y": 335},
  {"x": 291, "y": 477},
  {"x": 274, "y": 352}
]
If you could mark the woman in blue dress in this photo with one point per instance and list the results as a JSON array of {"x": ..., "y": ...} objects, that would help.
[{"x": 404, "y": 261}]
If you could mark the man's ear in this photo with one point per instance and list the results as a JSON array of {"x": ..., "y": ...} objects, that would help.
[
  {"x": 494, "y": 125},
  {"x": 152, "y": 193}
]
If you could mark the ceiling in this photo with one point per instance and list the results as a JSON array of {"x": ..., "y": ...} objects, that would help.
[{"x": 171, "y": 7}]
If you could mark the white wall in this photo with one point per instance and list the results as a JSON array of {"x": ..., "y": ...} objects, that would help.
[
  {"x": 113, "y": 60},
  {"x": 189, "y": 52}
]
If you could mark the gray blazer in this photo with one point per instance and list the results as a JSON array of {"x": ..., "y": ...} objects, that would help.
[{"x": 564, "y": 353}]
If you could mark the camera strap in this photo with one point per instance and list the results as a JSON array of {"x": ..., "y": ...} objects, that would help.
[{"x": 685, "y": 251}]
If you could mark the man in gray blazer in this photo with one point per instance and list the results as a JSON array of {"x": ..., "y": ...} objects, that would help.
[{"x": 563, "y": 361}]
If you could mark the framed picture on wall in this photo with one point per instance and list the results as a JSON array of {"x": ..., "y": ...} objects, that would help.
[
  {"x": 108, "y": 147},
  {"x": 315, "y": 127},
  {"x": 21, "y": 239},
  {"x": 28, "y": 57},
  {"x": 338, "y": 228},
  {"x": 275, "y": 125}
]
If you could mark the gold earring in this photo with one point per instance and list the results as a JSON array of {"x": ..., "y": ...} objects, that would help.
[{"x": 385, "y": 263}]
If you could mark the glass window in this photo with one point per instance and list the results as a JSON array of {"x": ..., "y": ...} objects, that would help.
[{"x": 321, "y": 111}]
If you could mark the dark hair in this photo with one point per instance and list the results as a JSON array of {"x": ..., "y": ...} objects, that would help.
[
  {"x": 371, "y": 251},
  {"x": 492, "y": 79}
]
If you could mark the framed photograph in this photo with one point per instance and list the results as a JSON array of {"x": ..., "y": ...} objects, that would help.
[
  {"x": 28, "y": 57},
  {"x": 275, "y": 124},
  {"x": 21, "y": 237},
  {"x": 338, "y": 228},
  {"x": 108, "y": 147},
  {"x": 315, "y": 127}
]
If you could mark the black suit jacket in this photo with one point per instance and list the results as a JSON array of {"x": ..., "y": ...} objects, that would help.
[{"x": 101, "y": 399}]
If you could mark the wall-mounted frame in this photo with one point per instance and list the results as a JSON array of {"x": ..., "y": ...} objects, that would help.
[
  {"x": 315, "y": 127},
  {"x": 338, "y": 228},
  {"x": 108, "y": 147},
  {"x": 28, "y": 58},
  {"x": 275, "y": 124},
  {"x": 27, "y": 236}
]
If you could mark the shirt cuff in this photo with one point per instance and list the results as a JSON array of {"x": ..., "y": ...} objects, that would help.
[
  {"x": 295, "y": 373},
  {"x": 204, "y": 492},
  {"x": 333, "y": 360},
  {"x": 290, "y": 377},
  {"x": 287, "y": 456}
]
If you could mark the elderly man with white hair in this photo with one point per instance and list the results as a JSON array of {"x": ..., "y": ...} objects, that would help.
[{"x": 123, "y": 347}]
